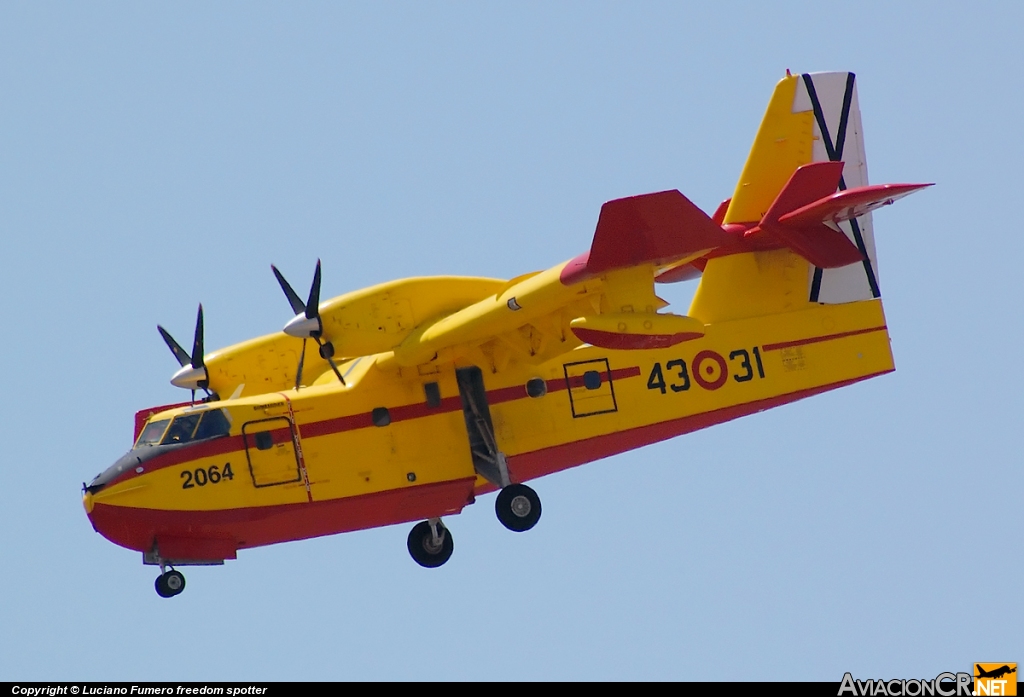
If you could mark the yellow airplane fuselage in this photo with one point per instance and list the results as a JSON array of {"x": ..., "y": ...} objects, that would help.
[{"x": 334, "y": 467}]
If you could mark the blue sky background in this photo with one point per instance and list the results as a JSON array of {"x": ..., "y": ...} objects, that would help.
[{"x": 153, "y": 156}]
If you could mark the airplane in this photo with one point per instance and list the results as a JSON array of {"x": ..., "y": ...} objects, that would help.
[
  {"x": 995, "y": 673},
  {"x": 407, "y": 400}
]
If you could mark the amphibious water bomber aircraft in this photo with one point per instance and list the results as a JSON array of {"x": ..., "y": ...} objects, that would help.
[{"x": 406, "y": 401}]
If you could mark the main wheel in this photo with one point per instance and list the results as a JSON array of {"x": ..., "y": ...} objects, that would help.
[
  {"x": 175, "y": 581},
  {"x": 517, "y": 507},
  {"x": 427, "y": 552},
  {"x": 170, "y": 584}
]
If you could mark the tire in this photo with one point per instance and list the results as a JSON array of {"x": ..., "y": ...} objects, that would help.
[
  {"x": 170, "y": 584},
  {"x": 517, "y": 507},
  {"x": 174, "y": 581},
  {"x": 161, "y": 587},
  {"x": 422, "y": 548}
]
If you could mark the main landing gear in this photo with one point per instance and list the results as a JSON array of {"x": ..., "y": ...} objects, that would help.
[
  {"x": 170, "y": 583},
  {"x": 517, "y": 507},
  {"x": 430, "y": 543}
]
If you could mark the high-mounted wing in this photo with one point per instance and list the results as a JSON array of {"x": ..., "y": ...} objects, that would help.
[{"x": 364, "y": 322}]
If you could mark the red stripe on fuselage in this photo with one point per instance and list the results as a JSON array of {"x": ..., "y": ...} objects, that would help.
[
  {"x": 137, "y": 528},
  {"x": 818, "y": 339},
  {"x": 407, "y": 412}
]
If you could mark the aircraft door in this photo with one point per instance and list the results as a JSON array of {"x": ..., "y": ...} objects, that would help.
[{"x": 270, "y": 449}]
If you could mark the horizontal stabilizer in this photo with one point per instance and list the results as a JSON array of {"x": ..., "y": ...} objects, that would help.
[
  {"x": 852, "y": 203},
  {"x": 806, "y": 185},
  {"x": 816, "y": 242},
  {"x": 806, "y": 213},
  {"x": 819, "y": 244},
  {"x": 650, "y": 229}
]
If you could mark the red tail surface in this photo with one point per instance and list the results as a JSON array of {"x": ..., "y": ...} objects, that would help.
[
  {"x": 820, "y": 244},
  {"x": 653, "y": 228}
]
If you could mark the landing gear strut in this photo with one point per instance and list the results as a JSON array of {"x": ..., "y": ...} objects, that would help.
[
  {"x": 170, "y": 583},
  {"x": 430, "y": 543},
  {"x": 517, "y": 507}
]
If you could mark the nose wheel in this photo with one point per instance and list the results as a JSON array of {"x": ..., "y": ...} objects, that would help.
[
  {"x": 517, "y": 507},
  {"x": 170, "y": 583},
  {"x": 430, "y": 543}
]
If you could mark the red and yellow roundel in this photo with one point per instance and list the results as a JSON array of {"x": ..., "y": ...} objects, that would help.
[{"x": 709, "y": 370}]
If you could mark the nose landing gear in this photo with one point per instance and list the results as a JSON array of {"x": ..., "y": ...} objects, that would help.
[
  {"x": 170, "y": 583},
  {"x": 430, "y": 543}
]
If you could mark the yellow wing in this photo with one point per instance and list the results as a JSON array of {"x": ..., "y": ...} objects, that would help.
[{"x": 364, "y": 322}]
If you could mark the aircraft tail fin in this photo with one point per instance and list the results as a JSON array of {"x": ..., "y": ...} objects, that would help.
[
  {"x": 814, "y": 117},
  {"x": 804, "y": 185}
]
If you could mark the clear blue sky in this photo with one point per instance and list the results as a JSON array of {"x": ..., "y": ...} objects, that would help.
[{"x": 153, "y": 156}]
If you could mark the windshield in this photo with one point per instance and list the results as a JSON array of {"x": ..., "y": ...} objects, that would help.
[
  {"x": 214, "y": 423},
  {"x": 185, "y": 428},
  {"x": 200, "y": 426},
  {"x": 181, "y": 429},
  {"x": 151, "y": 433}
]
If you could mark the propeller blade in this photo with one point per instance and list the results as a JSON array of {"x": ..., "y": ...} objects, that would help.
[
  {"x": 334, "y": 366},
  {"x": 302, "y": 360},
  {"x": 293, "y": 298},
  {"x": 337, "y": 372},
  {"x": 313, "y": 304},
  {"x": 179, "y": 353},
  {"x": 197, "y": 344}
]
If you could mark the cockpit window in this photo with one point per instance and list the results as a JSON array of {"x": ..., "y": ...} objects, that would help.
[
  {"x": 181, "y": 429},
  {"x": 151, "y": 433},
  {"x": 192, "y": 427},
  {"x": 214, "y": 423}
]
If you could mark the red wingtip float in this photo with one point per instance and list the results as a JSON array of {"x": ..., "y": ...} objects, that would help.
[{"x": 416, "y": 396}]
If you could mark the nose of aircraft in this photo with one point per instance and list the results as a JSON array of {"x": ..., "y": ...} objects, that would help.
[
  {"x": 129, "y": 460},
  {"x": 114, "y": 522}
]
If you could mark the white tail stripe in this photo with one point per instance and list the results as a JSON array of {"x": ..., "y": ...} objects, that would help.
[{"x": 836, "y": 95}]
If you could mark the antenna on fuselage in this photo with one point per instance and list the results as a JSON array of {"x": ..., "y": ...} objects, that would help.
[{"x": 307, "y": 323}]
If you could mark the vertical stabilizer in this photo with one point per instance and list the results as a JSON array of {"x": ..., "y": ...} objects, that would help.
[
  {"x": 814, "y": 117},
  {"x": 784, "y": 142}
]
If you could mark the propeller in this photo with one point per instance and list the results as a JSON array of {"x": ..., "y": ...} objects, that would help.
[
  {"x": 193, "y": 374},
  {"x": 307, "y": 324}
]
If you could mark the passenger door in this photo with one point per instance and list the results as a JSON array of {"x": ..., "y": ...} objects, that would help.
[{"x": 270, "y": 449}]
